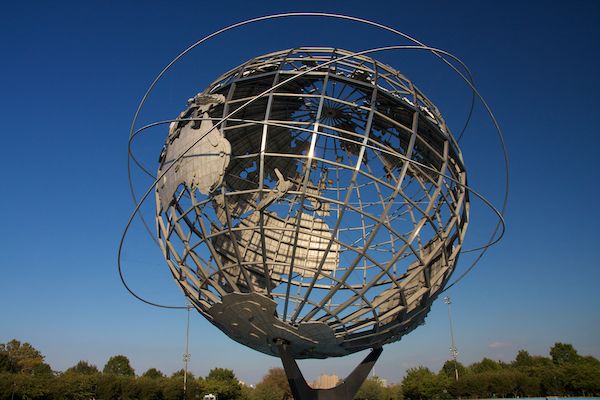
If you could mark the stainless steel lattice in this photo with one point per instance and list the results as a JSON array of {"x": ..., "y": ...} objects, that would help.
[{"x": 329, "y": 212}]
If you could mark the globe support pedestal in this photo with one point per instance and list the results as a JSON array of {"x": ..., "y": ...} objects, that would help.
[{"x": 344, "y": 391}]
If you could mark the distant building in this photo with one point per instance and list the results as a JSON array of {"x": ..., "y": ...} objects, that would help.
[{"x": 325, "y": 381}]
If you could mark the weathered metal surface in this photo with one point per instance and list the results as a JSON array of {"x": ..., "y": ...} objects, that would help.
[
  {"x": 205, "y": 152},
  {"x": 279, "y": 243},
  {"x": 251, "y": 319},
  {"x": 328, "y": 204}
]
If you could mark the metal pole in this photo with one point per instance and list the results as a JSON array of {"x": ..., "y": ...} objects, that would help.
[
  {"x": 186, "y": 355},
  {"x": 453, "y": 351}
]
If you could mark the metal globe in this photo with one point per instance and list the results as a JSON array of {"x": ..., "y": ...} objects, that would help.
[{"x": 314, "y": 196}]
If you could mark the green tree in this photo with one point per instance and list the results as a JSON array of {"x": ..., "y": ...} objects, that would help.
[
  {"x": 180, "y": 373},
  {"x": 583, "y": 379},
  {"x": 552, "y": 380},
  {"x": 501, "y": 383},
  {"x": 118, "y": 365},
  {"x": 528, "y": 384},
  {"x": 74, "y": 386},
  {"x": 485, "y": 365},
  {"x": 221, "y": 374},
  {"x": 28, "y": 359},
  {"x": 109, "y": 387},
  {"x": 26, "y": 386},
  {"x": 223, "y": 383},
  {"x": 394, "y": 392},
  {"x": 273, "y": 386},
  {"x": 150, "y": 388},
  {"x": 523, "y": 359},
  {"x": 248, "y": 393},
  {"x": 153, "y": 373},
  {"x": 371, "y": 389},
  {"x": 7, "y": 363},
  {"x": 267, "y": 392},
  {"x": 563, "y": 353},
  {"x": 448, "y": 369},
  {"x": 7, "y": 385},
  {"x": 173, "y": 388},
  {"x": 83, "y": 368},
  {"x": 421, "y": 383},
  {"x": 589, "y": 360},
  {"x": 471, "y": 386}
]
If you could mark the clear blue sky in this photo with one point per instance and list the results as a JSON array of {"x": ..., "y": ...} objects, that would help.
[{"x": 73, "y": 73}]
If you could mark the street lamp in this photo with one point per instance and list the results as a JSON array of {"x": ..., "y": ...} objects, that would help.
[
  {"x": 453, "y": 351},
  {"x": 186, "y": 355}
]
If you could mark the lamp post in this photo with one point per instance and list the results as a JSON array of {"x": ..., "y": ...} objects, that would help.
[
  {"x": 453, "y": 351},
  {"x": 186, "y": 355}
]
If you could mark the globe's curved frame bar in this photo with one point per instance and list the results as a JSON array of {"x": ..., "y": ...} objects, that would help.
[{"x": 438, "y": 52}]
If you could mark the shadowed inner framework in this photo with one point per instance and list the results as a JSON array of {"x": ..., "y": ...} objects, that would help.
[{"x": 329, "y": 211}]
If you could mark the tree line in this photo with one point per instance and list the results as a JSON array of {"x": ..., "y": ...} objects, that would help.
[
  {"x": 564, "y": 374},
  {"x": 24, "y": 375}
]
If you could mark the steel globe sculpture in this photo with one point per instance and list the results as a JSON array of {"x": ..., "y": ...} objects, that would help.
[
  {"x": 319, "y": 214},
  {"x": 312, "y": 202}
]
